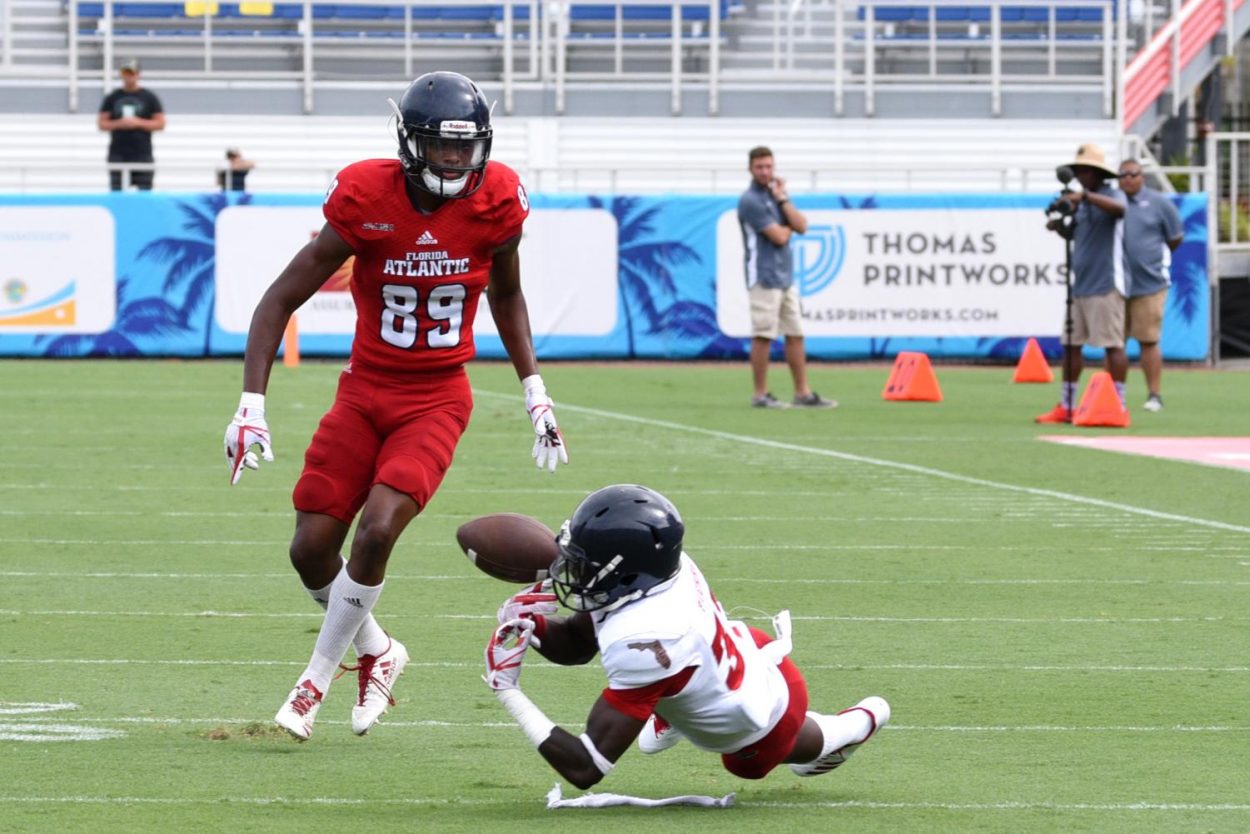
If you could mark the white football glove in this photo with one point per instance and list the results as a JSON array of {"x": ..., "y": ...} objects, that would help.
[
  {"x": 549, "y": 442},
  {"x": 247, "y": 429},
  {"x": 505, "y": 652},
  {"x": 537, "y": 601}
]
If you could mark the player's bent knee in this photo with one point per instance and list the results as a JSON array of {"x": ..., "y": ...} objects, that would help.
[{"x": 372, "y": 539}]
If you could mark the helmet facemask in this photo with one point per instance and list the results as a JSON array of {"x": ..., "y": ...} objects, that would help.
[
  {"x": 579, "y": 583},
  {"x": 447, "y": 160}
]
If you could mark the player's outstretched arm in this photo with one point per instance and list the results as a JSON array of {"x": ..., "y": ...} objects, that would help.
[
  {"x": 583, "y": 760},
  {"x": 306, "y": 272},
  {"x": 508, "y": 308}
]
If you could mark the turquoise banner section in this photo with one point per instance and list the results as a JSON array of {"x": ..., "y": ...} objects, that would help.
[{"x": 667, "y": 272}]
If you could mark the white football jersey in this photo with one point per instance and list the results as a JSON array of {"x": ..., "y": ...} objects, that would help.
[{"x": 736, "y": 694}]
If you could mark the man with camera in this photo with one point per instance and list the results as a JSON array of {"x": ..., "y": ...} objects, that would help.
[{"x": 1090, "y": 220}]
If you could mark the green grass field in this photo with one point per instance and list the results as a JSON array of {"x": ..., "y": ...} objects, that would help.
[{"x": 1061, "y": 632}]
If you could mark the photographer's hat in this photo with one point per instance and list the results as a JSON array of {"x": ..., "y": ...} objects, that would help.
[
  {"x": 1090, "y": 155},
  {"x": 130, "y": 65}
]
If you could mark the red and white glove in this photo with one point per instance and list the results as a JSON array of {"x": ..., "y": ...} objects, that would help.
[
  {"x": 505, "y": 652},
  {"x": 548, "y": 442},
  {"x": 531, "y": 604},
  {"x": 247, "y": 429},
  {"x": 536, "y": 601}
]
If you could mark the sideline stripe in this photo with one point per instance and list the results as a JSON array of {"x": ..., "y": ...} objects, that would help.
[
  {"x": 890, "y": 464},
  {"x": 240, "y": 615},
  {"x": 837, "y": 667},
  {"x": 463, "y": 802},
  {"x": 498, "y": 725}
]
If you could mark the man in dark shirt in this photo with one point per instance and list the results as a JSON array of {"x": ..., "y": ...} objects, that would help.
[
  {"x": 131, "y": 114},
  {"x": 768, "y": 220},
  {"x": 233, "y": 176}
]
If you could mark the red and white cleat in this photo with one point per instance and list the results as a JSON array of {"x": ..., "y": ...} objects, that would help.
[
  {"x": 376, "y": 676},
  {"x": 300, "y": 710},
  {"x": 844, "y": 733}
]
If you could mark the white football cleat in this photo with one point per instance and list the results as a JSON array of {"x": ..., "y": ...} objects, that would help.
[
  {"x": 844, "y": 733},
  {"x": 300, "y": 710},
  {"x": 658, "y": 735},
  {"x": 376, "y": 676}
]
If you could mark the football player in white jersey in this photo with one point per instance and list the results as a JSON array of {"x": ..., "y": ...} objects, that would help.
[{"x": 677, "y": 666}]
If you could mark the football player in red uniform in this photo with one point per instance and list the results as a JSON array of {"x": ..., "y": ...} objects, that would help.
[
  {"x": 429, "y": 232},
  {"x": 677, "y": 666}
]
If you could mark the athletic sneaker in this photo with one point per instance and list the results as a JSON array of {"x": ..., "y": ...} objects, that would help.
[
  {"x": 658, "y": 735},
  {"x": 767, "y": 400},
  {"x": 375, "y": 676},
  {"x": 300, "y": 710},
  {"x": 1058, "y": 414},
  {"x": 814, "y": 400},
  {"x": 1154, "y": 403},
  {"x": 878, "y": 712}
]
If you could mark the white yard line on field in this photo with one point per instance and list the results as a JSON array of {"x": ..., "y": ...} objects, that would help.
[
  {"x": 840, "y": 667},
  {"x": 473, "y": 577},
  {"x": 511, "y": 725},
  {"x": 1114, "y": 807},
  {"x": 1068, "y": 497},
  {"x": 319, "y": 615}
]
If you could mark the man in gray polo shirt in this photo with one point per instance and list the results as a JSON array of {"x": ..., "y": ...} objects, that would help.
[
  {"x": 768, "y": 219},
  {"x": 1152, "y": 231},
  {"x": 1098, "y": 280}
]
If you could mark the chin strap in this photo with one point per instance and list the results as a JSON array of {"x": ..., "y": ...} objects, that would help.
[{"x": 442, "y": 187}]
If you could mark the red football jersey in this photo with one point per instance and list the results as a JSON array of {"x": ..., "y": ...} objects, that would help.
[{"x": 418, "y": 277}]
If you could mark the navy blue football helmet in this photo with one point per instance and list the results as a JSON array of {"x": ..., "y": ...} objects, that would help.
[
  {"x": 622, "y": 542},
  {"x": 443, "y": 122}
]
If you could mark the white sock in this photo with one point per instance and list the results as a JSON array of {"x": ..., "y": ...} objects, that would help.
[
  {"x": 840, "y": 730},
  {"x": 371, "y": 639},
  {"x": 348, "y": 606},
  {"x": 1119, "y": 389},
  {"x": 1069, "y": 395}
]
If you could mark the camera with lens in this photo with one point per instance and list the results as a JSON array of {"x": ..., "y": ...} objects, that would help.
[{"x": 1059, "y": 207}]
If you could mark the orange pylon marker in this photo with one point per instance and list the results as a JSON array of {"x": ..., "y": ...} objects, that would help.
[
  {"x": 290, "y": 344},
  {"x": 912, "y": 378},
  {"x": 1032, "y": 366},
  {"x": 1100, "y": 405}
]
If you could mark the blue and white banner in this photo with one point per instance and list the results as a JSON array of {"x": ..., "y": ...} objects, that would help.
[{"x": 656, "y": 277}]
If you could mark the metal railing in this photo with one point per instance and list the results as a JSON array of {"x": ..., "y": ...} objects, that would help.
[
  {"x": 547, "y": 46},
  {"x": 308, "y": 177}
]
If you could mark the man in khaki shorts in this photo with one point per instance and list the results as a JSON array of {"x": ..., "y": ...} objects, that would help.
[
  {"x": 1098, "y": 279},
  {"x": 768, "y": 219},
  {"x": 1152, "y": 231}
]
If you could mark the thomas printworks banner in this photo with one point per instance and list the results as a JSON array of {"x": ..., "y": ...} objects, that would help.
[{"x": 657, "y": 277}]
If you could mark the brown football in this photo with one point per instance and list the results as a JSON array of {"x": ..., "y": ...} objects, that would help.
[{"x": 509, "y": 546}]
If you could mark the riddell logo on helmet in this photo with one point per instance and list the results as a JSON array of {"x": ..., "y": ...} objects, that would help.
[{"x": 457, "y": 126}]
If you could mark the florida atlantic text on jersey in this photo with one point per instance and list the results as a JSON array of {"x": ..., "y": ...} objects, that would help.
[{"x": 418, "y": 278}]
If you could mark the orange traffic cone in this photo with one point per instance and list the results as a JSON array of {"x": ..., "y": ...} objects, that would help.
[
  {"x": 1100, "y": 405},
  {"x": 290, "y": 343},
  {"x": 1032, "y": 366},
  {"x": 912, "y": 378}
]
